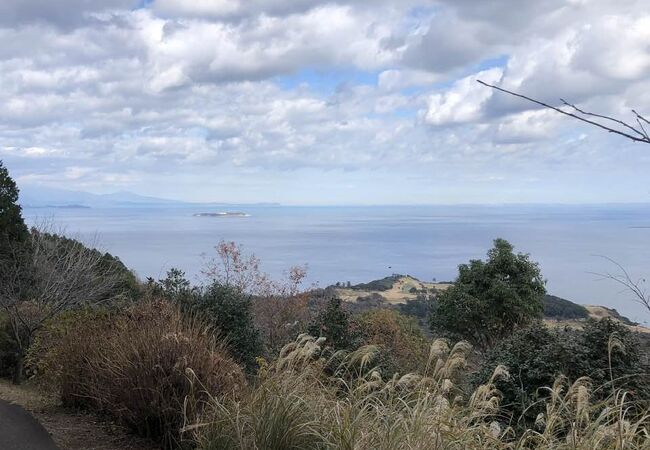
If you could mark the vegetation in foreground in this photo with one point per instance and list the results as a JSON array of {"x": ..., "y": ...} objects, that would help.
[
  {"x": 308, "y": 398},
  {"x": 245, "y": 362}
]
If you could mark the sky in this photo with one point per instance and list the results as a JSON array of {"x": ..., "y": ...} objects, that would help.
[{"x": 324, "y": 102}]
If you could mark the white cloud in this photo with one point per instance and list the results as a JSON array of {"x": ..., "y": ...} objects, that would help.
[
  {"x": 221, "y": 9},
  {"x": 616, "y": 47},
  {"x": 527, "y": 126},
  {"x": 393, "y": 79},
  {"x": 199, "y": 51},
  {"x": 464, "y": 101},
  {"x": 245, "y": 9},
  {"x": 61, "y": 13},
  {"x": 202, "y": 90}
]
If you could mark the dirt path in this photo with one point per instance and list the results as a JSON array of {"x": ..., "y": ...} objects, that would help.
[{"x": 68, "y": 429}]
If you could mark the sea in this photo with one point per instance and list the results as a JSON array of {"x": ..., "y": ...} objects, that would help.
[{"x": 573, "y": 244}]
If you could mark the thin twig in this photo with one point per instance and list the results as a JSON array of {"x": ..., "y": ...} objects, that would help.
[
  {"x": 620, "y": 122},
  {"x": 634, "y": 138},
  {"x": 629, "y": 284},
  {"x": 639, "y": 116}
]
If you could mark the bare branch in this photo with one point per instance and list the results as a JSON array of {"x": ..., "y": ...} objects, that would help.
[
  {"x": 629, "y": 284},
  {"x": 640, "y": 117},
  {"x": 50, "y": 274},
  {"x": 642, "y": 127},
  {"x": 243, "y": 271},
  {"x": 634, "y": 137},
  {"x": 600, "y": 116}
]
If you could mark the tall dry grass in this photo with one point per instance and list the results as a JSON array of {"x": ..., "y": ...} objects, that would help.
[
  {"x": 297, "y": 406},
  {"x": 133, "y": 366}
]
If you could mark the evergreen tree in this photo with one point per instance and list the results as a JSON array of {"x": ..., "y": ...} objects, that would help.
[
  {"x": 14, "y": 240},
  {"x": 490, "y": 299},
  {"x": 230, "y": 312},
  {"x": 12, "y": 226},
  {"x": 334, "y": 324},
  {"x": 14, "y": 276}
]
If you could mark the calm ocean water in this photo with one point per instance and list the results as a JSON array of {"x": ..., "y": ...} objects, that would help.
[{"x": 364, "y": 243}]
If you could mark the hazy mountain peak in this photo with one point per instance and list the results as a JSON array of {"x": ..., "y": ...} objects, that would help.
[{"x": 40, "y": 196}]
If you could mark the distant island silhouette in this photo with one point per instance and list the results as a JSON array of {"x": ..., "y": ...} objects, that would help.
[{"x": 223, "y": 214}]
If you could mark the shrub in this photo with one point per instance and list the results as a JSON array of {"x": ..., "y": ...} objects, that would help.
[
  {"x": 50, "y": 360},
  {"x": 535, "y": 357},
  {"x": 334, "y": 324},
  {"x": 134, "y": 365},
  {"x": 229, "y": 311},
  {"x": 297, "y": 406},
  {"x": 604, "y": 351},
  {"x": 419, "y": 308},
  {"x": 402, "y": 342},
  {"x": 7, "y": 347},
  {"x": 54, "y": 275},
  {"x": 280, "y": 319},
  {"x": 609, "y": 353}
]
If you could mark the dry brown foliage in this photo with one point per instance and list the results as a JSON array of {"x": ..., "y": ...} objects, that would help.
[{"x": 136, "y": 366}]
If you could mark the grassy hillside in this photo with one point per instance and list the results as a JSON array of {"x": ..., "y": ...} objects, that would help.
[
  {"x": 407, "y": 293},
  {"x": 396, "y": 289}
]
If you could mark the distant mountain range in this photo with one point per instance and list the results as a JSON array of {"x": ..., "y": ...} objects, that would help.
[
  {"x": 48, "y": 197},
  {"x": 42, "y": 197}
]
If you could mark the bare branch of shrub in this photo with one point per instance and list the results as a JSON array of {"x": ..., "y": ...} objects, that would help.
[{"x": 633, "y": 285}]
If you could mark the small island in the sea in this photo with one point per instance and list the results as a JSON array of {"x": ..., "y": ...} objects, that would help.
[{"x": 223, "y": 214}]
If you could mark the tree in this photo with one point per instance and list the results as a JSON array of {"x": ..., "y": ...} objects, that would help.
[
  {"x": 232, "y": 267},
  {"x": 489, "y": 300},
  {"x": 280, "y": 319},
  {"x": 279, "y": 308},
  {"x": 176, "y": 288},
  {"x": 334, "y": 324},
  {"x": 229, "y": 310},
  {"x": 55, "y": 274},
  {"x": 12, "y": 225},
  {"x": 635, "y": 133},
  {"x": 14, "y": 237}
]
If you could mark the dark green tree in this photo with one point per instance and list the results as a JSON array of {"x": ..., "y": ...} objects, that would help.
[
  {"x": 334, "y": 324},
  {"x": 175, "y": 287},
  {"x": 175, "y": 284},
  {"x": 12, "y": 225},
  {"x": 229, "y": 310},
  {"x": 490, "y": 299},
  {"x": 14, "y": 238},
  {"x": 14, "y": 273}
]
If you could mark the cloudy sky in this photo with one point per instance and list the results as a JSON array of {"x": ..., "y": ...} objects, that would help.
[{"x": 317, "y": 102}]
